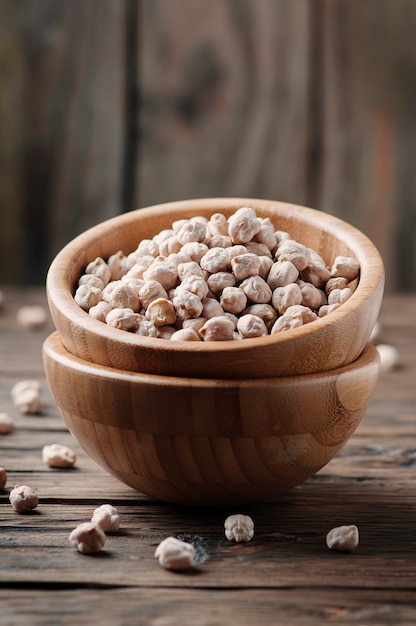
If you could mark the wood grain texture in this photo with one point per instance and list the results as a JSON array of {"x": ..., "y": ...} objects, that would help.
[
  {"x": 209, "y": 442},
  {"x": 284, "y": 576},
  {"x": 327, "y": 343}
]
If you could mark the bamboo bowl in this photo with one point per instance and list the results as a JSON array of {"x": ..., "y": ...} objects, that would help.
[
  {"x": 325, "y": 344},
  {"x": 209, "y": 442}
]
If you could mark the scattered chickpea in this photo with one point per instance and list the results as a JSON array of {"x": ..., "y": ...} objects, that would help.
[
  {"x": 88, "y": 538},
  {"x": 175, "y": 554},
  {"x": 6, "y": 424},
  {"x": 389, "y": 356},
  {"x": 3, "y": 478},
  {"x": 32, "y": 317},
  {"x": 343, "y": 538},
  {"x": 23, "y": 498},
  {"x": 107, "y": 518},
  {"x": 239, "y": 528},
  {"x": 26, "y": 397},
  {"x": 57, "y": 455}
]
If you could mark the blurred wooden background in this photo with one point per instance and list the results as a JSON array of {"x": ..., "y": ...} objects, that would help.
[{"x": 110, "y": 105}]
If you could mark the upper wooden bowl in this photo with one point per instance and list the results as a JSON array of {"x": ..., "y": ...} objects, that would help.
[
  {"x": 204, "y": 441},
  {"x": 327, "y": 343}
]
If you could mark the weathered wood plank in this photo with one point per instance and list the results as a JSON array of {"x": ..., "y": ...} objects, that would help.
[
  {"x": 286, "y": 575},
  {"x": 206, "y": 607}
]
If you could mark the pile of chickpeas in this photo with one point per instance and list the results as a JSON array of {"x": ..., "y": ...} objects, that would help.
[{"x": 215, "y": 279}]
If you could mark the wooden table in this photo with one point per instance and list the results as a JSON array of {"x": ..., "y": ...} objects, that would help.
[{"x": 286, "y": 575}]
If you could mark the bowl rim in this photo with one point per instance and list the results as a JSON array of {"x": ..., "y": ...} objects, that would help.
[
  {"x": 59, "y": 290},
  {"x": 55, "y": 350}
]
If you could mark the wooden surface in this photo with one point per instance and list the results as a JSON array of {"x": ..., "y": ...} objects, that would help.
[
  {"x": 286, "y": 575},
  {"x": 109, "y": 105}
]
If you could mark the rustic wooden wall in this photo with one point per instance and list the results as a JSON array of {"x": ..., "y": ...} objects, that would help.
[{"x": 109, "y": 105}]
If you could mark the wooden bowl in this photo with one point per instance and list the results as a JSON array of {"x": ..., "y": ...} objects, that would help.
[
  {"x": 203, "y": 441},
  {"x": 327, "y": 343}
]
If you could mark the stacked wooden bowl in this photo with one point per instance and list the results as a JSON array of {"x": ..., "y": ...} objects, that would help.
[{"x": 214, "y": 423}]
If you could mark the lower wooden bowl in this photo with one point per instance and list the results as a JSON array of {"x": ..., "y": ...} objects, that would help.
[{"x": 207, "y": 442}]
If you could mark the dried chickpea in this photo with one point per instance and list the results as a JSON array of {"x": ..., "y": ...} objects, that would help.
[
  {"x": 219, "y": 281},
  {"x": 174, "y": 554},
  {"x": 259, "y": 249},
  {"x": 161, "y": 312},
  {"x": 282, "y": 273},
  {"x": 219, "y": 328},
  {"x": 340, "y": 283},
  {"x": 195, "y": 323},
  {"x": 87, "y": 296},
  {"x": 343, "y": 538},
  {"x": 23, "y": 498},
  {"x": 195, "y": 250},
  {"x": 185, "y": 334},
  {"x": 185, "y": 270},
  {"x": 57, "y": 455},
  {"x": 6, "y": 424},
  {"x": 251, "y": 326},
  {"x": 233, "y": 300},
  {"x": 187, "y": 304},
  {"x": 347, "y": 267},
  {"x": 267, "y": 313},
  {"x": 239, "y": 528},
  {"x": 107, "y": 518},
  {"x": 163, "y": 273},
  {"x": 297, "y": 253},
  {"x": 88, "y": 538},
  {"x": 123, "y": 319},
  {"x": 217, "y": 224},
  {"x": 285, "y": 323},
  {"x": 118, "y": 265},
  {"x": 170, "y": 246},
  {"x": 139, "y": 267},
  {"x": 91, "y": 279},
  {"x": 256, "y": 290},
  {"x": 325, "y": 309},
  {"x": 165, "y": 332},
  {"x": 32, "y": 317},
  {"x": 220, "y": 241},
  {"x": 243, "y": 225},
  {"x": 192, "y": 231},
  {"x": 100, "y": 311},
  {"x": 234, "y": 251},
  {"x": 245, "y": 265},
  {"x": 196, "y": 285},
  {"x": 339, "y": 296},
  {"x": 266, "y": 235},
  {"x": 121, "y": 296},
  {"x": 26, "y": 397},
  {"x": 147, "y": 247},
  {"x": 284, "y": 297},
  {"x": 146, "y": 328},
  {"x": 215, "y": 260},
  {"x": 99, "y": 268},
  {"x": 211, "y": 308},
  {"x": 302, "y": 312},
  {"x": 266, "y": 264},
  {"x": 312, "y": 297},
  {"x": 151, "y": 290}
]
